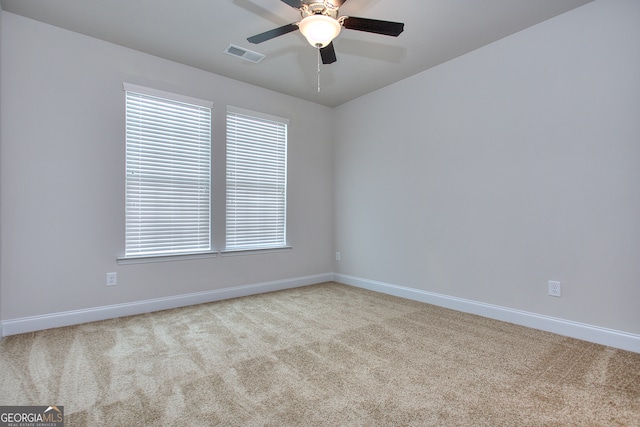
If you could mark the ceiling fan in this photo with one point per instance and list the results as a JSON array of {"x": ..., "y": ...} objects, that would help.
[{"x": 320, "y": 24}]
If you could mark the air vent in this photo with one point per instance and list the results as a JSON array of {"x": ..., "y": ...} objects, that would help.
[{"x": 242, "y": 53}]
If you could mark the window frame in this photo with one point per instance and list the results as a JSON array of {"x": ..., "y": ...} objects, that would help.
[
  {"x": 136, "y": 257},
  {"x": 283, "y": 245}
]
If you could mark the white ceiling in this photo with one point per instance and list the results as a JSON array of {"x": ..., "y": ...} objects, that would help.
[{"x": 196, "y": 32}]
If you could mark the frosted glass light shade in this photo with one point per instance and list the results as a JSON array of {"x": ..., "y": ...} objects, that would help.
[{"x": 319, "y": 30}]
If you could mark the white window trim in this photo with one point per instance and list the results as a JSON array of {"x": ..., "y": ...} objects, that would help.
[
  {"x": 138, "y": 259},
  {"x": 265, "y": 116},
  {"x": 165, "y": 258},
  {"x": 129, "y": 87},
  {"x": 258, "y": 250},
  {"x": 232, "y": 252}
]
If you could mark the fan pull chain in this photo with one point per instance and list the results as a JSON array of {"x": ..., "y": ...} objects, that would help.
[{"x": 318, "y": 46}]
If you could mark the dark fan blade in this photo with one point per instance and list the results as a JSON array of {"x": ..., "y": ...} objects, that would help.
[
  {"x": 328, "y": 54},
  {"x": 296, "y": 4},
  {"x": 386, "y": 28},
  {"x": 268, "y": 35}
]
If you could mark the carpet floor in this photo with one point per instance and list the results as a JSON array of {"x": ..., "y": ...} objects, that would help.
[{"x": 326, "y": 354}]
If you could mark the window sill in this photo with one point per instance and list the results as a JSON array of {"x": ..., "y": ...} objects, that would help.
[
  {"x": 237, "y": 252},
  {"x": 165, "y": 258}
]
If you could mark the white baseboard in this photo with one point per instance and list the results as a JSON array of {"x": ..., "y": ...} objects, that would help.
[
  {"x": 75, "y": 317},
  {"x": 582, "y": 331},
  {"x": 595, "y": 334}
]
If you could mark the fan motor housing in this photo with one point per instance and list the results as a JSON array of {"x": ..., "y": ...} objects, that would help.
[{"x": 319, "y": 8}]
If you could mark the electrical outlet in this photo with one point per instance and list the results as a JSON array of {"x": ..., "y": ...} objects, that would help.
[
  {"x": 554, "y": 288},
  {"x": 112, "y": 279},
  {"x": 337, "y": 256}
]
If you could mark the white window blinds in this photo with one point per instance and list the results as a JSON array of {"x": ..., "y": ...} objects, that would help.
[
  {"x": 256, "y": 180},
  {"x": 168, "y": 173}
]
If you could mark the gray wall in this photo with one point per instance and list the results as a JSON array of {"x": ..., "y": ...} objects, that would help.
[
  {"x": 62, "y": 176},
  {"x": 1, "y": 37},
  {"x": 515, "y": 164}
]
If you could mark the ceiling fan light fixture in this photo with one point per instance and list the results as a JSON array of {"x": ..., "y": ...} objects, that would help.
[{"x": 319, "y": 30}]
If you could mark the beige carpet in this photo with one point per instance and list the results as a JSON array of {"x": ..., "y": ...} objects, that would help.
[{"x": 326, "y": 354}]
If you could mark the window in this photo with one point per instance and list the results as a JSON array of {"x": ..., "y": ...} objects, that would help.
[
  {"x": 168, "y": 174},
  {"x": 256, "y": 180}
]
